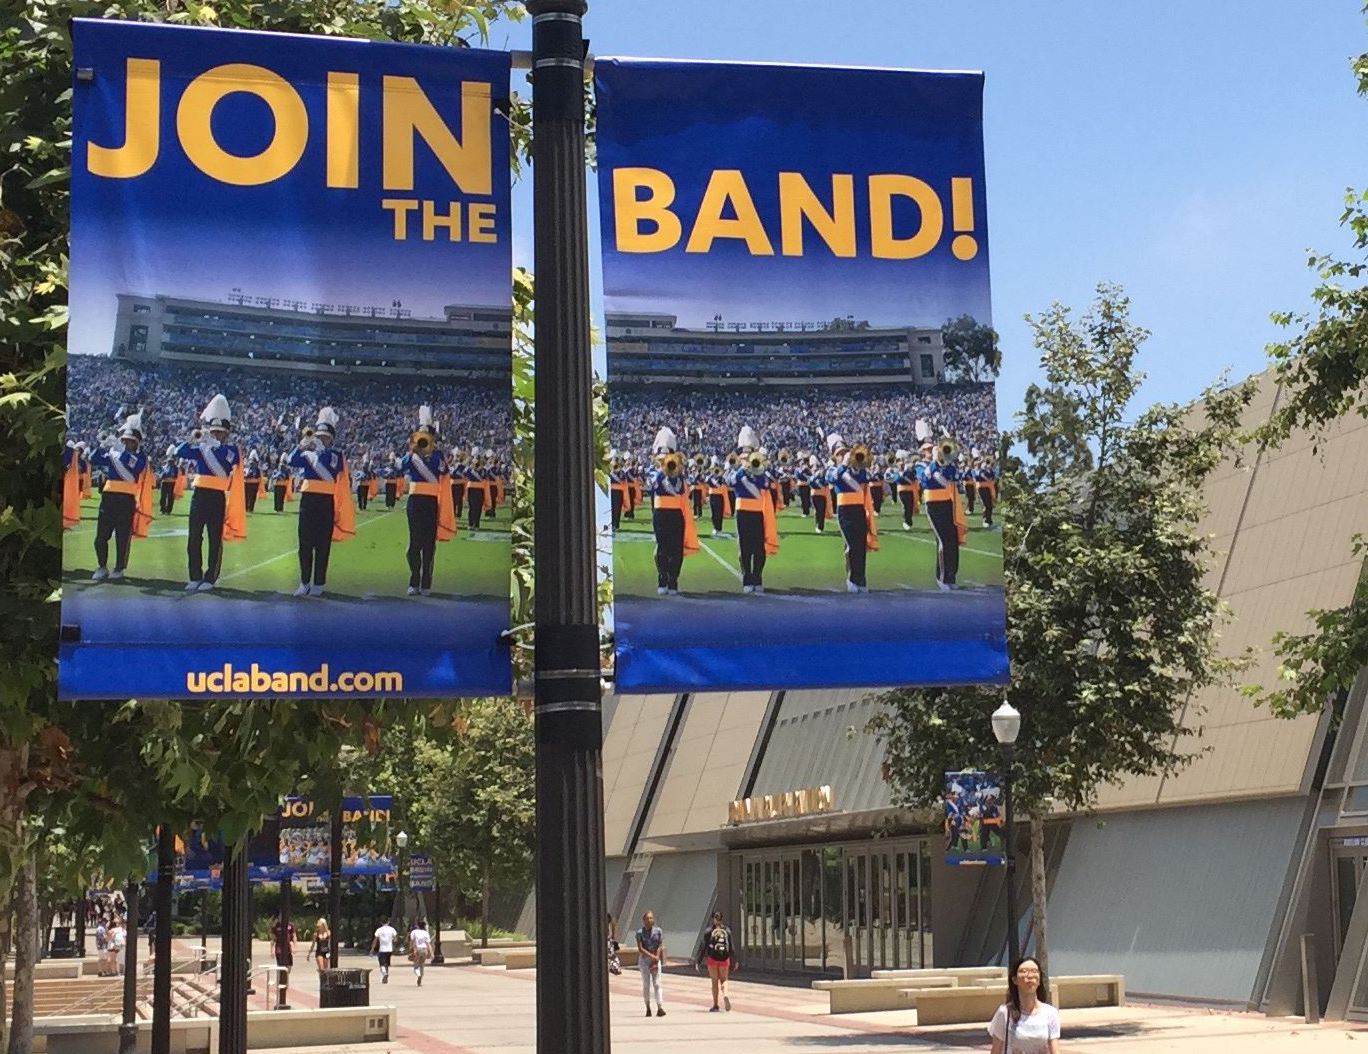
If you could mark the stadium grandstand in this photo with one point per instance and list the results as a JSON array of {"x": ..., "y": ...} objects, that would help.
[
  {"x": 470, "y": 341},
  {"x": 279, "y": 361},
  {"x": 647, "y": 349}
]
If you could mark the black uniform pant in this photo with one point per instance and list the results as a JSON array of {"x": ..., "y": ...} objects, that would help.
[
  {"x": 668, "y": 525},
  {"x": 786, "y": 488},
  {"x": 697, "y": 497},
  {"x": 969, "y": 494},
  {"x": 715, "y": 506},
  {"x": 855, "y": 530},
  {"x": 876, "y": 494},
  {"x": 362, "y": 496},
  {"x": 629, "y": 511},
  {"x": 909, "y": 504},
  {"x": 315, "y": 537},
  {"x": 750, "y": 535},
  {"x": 391, "y": 494},
  {"x": 422, "y": 549},
  {"x": 207, "y": 509},
  {"x": 475, "y": 506},
  {"x": 168, "y": 496},
  {"x": 116, "y": 519},
  {"x": 615, "y": 501},
  {"x": 458, "y": 496},
  {"x": 805, "y": 498},
  {"x": 819, "y": 509},
  {"x": 253, "y": 488},
  {"x": 279, "y": 497},
  {"x": 942, "y": 516},
  {"x": 492, "y": 507},
  {"x": 987, "y": 508}
]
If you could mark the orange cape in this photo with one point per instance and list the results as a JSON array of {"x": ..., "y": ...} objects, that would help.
[{"x": 71, "y": 495}]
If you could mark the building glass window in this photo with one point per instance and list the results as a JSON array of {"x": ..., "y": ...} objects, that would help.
[{"x": 928, "y": 365}]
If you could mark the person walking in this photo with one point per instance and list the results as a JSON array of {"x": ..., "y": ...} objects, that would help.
[
  {"x": 322, "y": 945},
  {"x": 1025, "y": 1023},
  {"x": 118, "y": 939},
  {"x": 651, "y": 955},
  {"x": 382, "y": 945},
  {"x": 420, "y": 948},
  {"x": 101, "y": 948},
  {"x": 719, "y": 953}
]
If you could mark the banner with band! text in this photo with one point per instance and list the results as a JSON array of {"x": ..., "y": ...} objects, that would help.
[
  {"x": 289, "y": 384},
  {"x": 801, "y": 363}
]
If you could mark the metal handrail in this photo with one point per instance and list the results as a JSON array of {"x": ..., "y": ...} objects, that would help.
[{"x": 142, "y": 995}]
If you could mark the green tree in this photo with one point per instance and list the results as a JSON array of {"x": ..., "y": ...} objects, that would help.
[
  {"x": 971, "y": 350},
  {"x": 1110, "y": 626},
  {"x": 1322, "y": 373},
  {"x": 478, "y": 802}
]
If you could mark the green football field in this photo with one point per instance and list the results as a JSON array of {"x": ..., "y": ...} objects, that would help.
[
  {"x": 807, "y": 561},
  {"x": 266, "y": 563}
]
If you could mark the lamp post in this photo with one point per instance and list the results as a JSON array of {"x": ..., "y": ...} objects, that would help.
[
  {"x": 1006, "y": 728},
  {"x": 401, "y": 840}
]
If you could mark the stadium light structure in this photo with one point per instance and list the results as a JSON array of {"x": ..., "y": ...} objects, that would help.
[{"x": 1006, "y": 728}]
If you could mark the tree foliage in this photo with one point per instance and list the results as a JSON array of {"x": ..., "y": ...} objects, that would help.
[
  {"x": 971, "y": 350},
  {"x": 1322, "y": 372},
  {"x": 1110, "y": 625}
]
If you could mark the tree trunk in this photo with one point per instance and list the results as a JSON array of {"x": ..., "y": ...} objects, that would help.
[
  {"x": 25, "y": 954},
  {"x": 6, "y": 935},
  {"x": 1039, "y": 920},
  {"x": 484, "y": 909}
]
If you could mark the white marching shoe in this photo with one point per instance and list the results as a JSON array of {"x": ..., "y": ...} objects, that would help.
[
  {"x": 302, "y": 591},
  {"x": 907, "y": 526},
  {"x": 748, "y": 589},
  {"x": 425, "y": 592},
  {"x": 661, "y": 591},
  {"x": 851, "y": 587},
  {"x": 100, "y": 575},
  {"x": 757, "y": 589},
  {"x": 411, "y": 591},
  {"x": 116, "y": 575},
  {"x": 315, "y": 591},
  {"x": 204, "y": 587},
  {"x": 191, "y": 587}
]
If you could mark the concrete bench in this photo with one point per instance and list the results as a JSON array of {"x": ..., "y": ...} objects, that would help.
[
  {"x": 331, "y": 1027},
  {"x": 954, "y": 1006},
  {"x": 456, "y": 945},
  {"x": 965, "y": 974},
  {"x": 869, "y": 994},
  {"x": 51, "y": 970},
  {"x": 1087, "y": 990},
  {"x": 489, "y": 956},
  {"x": 628, "y": 956},
  {"x": 520, "y": 958},
  {"x": 100, "y": 1035}
]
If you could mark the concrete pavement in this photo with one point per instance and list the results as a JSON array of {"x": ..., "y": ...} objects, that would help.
[{"x": 470, "y": 1009}]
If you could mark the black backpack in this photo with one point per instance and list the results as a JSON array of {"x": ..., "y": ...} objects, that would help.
[{"x": 719, "y": 943}]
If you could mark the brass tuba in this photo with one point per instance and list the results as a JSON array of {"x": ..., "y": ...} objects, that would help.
[
  {"x": 420, "y": 442},
  {"x": 785, "y": 458},
  {"x": 733, "y": 459},
  {"x": 946, "y": 451},
  {"x": 755, "y": 462},
  {"x": 860, "y": 457},
  {"x": 700, "y": 461},
  {"x": 672, "y": 464}
]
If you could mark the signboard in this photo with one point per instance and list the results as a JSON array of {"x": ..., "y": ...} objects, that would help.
[
  {"x": 973, "y": 818},
  {"x": 290, "y": 363},
  {"x": 800, "y": 360},
  {"x": 789, "y": 805},
  {"x": 421, "y": 878}
]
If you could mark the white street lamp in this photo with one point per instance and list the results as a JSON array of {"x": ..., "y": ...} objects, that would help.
[{"x": 1006, "y": 727}]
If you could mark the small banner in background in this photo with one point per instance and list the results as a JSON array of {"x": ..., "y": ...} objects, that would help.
[
  {"x": 800, "y": 361},
  {"x": 289, "y": 387},
  {"x": 973, "y": 819}
]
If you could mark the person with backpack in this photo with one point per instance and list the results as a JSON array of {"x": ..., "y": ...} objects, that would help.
[{"x": 719, "y": 953}]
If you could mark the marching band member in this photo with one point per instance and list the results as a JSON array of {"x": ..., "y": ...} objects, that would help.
[
  {"x": 478, "y": 489},
  {"x": 907, "y": 488},
  {"x": 757, "y": 533},
  {"x": 969, "y": 476},
  {"x": 820, "y": 492},
  {"x": 280, "y": 482},
  {"x": 86, "y": 470},
  {"x": 431, "y": 516},
  {"x": 361, "y": 482},
  {"x": 876, "y": 487},
  {"x": 719, "y": 496},
  {"x": 166, "y": 482},
  {"x": 675, "y": 533},
  {"x": 987, "y": 488},
  {"x": 617, "y": 488},
  {"x": 849, "y": 479},
  {"x": 326, "y": 512},
  {"x": 803, "y": 478},
  {"x": 636, "y": 490},
  {"x": 252, "y": 481},
  {"x": 697, "y": 488},
  {"x": 125, "y": 500},
  {"x": 71, "y": 486},
  {"x": 458, "y": 478},
  {"x": 940, "y": 492},
  {"x": 390, "y": 475},
  {"x": 218, "y": 507}
]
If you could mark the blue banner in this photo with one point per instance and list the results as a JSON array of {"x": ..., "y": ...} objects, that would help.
[
  {"x": 801, "y": 362},
  {"x": 289, "y": 388},
  {"x": 974, "y": 819}
]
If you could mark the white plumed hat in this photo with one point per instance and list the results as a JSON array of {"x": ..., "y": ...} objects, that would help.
[
  {"x": 132, "y": 427},
  {"x": 746, "y": 439},
  {"x": 327, "y": 421},
  {"x": 217, "y": 414},
  {"x": 834, "y": 442},
  {"x": 425, "y": 420},
  {"x": 665, "y": 441}
]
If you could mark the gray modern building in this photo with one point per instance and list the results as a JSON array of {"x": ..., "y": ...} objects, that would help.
[{"x": 1198, "y": 887}]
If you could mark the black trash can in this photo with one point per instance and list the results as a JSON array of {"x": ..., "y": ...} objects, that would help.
[{"x": 344, "y": 988}]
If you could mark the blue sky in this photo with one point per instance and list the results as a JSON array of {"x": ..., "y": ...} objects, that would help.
[{"x": 1191, "y": 152}]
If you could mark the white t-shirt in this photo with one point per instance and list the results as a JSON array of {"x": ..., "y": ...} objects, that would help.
[
  {"x": 1033, "y": 1031},
  {"x": 420, "y": 940},
  {"x": 385, "y": 936}
]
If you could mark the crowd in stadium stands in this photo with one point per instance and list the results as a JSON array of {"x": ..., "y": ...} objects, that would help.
[
  {"x": 377, "y": 413},
  {"x": 882, "y": 418}
]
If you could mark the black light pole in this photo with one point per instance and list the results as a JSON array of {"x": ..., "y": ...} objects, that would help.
[
  {"x": 1006, "y": 727},
  {"x": 401, "y": 910},
  {"x": 161, "y": 965},
  {"x": 128, "y": 1027},
  {"x": 237, "y": 952},
  {"x": 335, "y": 886},
  {"x": 437, "y": 957},
  {"x": 572, "y": 1012}
]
